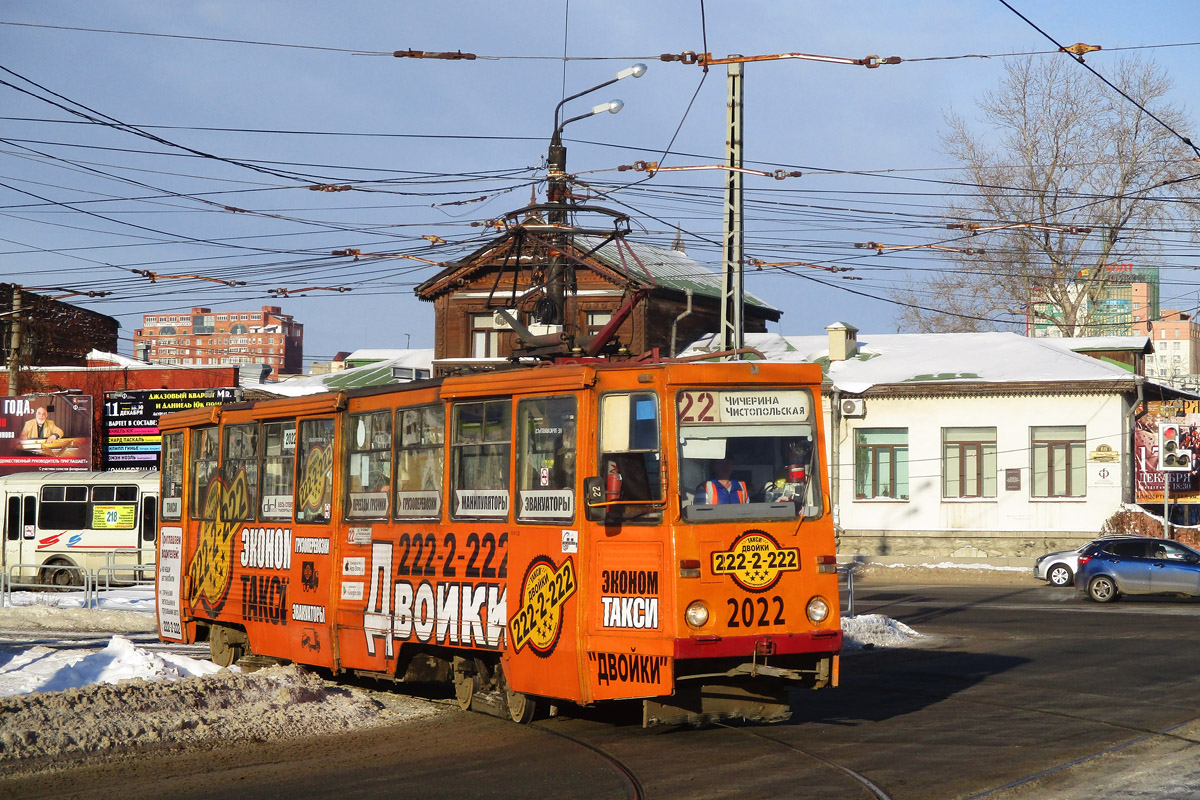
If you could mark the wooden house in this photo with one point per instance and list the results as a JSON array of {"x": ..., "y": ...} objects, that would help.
[{"x": 669, "y": 300}]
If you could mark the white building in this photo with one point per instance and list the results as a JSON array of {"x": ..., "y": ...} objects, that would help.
[{"x": 967, "y": 446}]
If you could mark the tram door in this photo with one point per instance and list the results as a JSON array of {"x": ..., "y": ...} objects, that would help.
[{"x": 20, "y": 528}]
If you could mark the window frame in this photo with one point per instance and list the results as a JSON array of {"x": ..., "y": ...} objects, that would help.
[
  {"x": 986, "y": 482},
  {"x": 558, "y": 461},
  {"x": 420, "y": 453},
  {"x": 874, "y": 449},
  {"x": 375, "y": 450},
  {"x": 1039, "y": 438},
  {"x": 497, "y": 449}
]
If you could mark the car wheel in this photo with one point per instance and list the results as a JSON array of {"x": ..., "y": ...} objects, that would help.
[
  {"x": 1102, "y": 589},
  {"x": 1060, "y": 575}
]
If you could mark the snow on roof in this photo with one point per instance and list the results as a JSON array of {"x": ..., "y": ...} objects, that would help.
[
  {"x": 1087, "y": 344},
  {"x": 374, "y": 374},
  {"x": 377, "y": 354},
  {"x": 924, "y": 358}
]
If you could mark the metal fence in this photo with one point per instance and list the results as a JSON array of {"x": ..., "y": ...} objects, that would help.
[{"x": 112, "y": 575}]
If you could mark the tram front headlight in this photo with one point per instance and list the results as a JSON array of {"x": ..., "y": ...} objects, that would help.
[
  {"x": 696, "y": 614},
  {"x": 817, "y": 609}
]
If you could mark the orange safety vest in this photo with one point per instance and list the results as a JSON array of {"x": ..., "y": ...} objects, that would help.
[{"x": 736, "y": 490}]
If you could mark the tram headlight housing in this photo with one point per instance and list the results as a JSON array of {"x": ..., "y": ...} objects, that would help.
[
  {"x": 817, "y": 609},
  {"x": 696, "y": 614}
]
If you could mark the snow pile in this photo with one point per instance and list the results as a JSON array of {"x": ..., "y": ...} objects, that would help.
[
  {"x": 45, "y": 669},
  {"x": 875, "y": 630},
  {"x": 143, "y": 699},
  {"x": 950, "y": 565}
]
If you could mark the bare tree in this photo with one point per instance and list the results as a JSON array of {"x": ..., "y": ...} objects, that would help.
[{"x": 1069, "y": 178}]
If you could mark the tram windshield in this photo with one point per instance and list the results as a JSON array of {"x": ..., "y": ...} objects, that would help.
[{"x": 747, "y": 455}]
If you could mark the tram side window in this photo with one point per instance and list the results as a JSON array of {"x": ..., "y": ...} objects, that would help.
[
  {"x": 63, "y": 508},
  {"x": 369, "y": 471},
  {"x": 630, "y": 460},
  {"x": 204, "y": 474},
  {"x": 546, "y": 459},
  {"x": 420, "y": 460},
  {"x": 278, "y": 470},
  {"x": 239, "y": 467},
  {"x": 314, "y": 491},
  {"x": 481, "y": 444},
  {"x": 172, "y": 476}
]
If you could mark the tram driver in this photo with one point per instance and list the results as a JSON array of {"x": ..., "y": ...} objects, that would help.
[{"x": 722, "y": 488}]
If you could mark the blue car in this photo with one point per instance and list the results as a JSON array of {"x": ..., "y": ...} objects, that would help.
[{"x": 1109, "y": 568}]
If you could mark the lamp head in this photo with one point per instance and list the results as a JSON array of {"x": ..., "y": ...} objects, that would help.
[
  {"x": 612, "y": 107},
  {"x": 636, "y": 71}
]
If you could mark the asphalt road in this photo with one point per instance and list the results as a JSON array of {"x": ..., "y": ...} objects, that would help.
[{"x": 1019, "y": 691}]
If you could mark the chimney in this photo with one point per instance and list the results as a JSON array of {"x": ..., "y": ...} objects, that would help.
[{"x": 843, "y": 341}]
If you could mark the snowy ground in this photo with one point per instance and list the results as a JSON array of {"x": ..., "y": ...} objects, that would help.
[{"x": 74, "y": 695}]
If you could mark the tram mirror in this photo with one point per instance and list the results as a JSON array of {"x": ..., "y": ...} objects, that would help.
[
  {"x": 704, "y": 448},
  {"x": 593, "y": 493}
]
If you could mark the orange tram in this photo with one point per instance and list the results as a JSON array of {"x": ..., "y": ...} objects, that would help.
[{"x": 536, "y": 536}]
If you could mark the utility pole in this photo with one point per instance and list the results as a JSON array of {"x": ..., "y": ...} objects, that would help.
[
  {"x": 14, "y": 351},
  {"x": 559, "y": 274},
  {"x": 733, "y": 329}
]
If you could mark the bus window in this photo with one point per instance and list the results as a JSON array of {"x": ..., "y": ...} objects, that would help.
[
  {"x": 114, "y": 508},
  {"x": 240, "y": 464},
  {"x": 369, "y": 471},
  {"x": 420, "y": 458},
  {"x": 546, "y": 459},
  {"x": 12, "y": 520},
  {"x": 172, "y": 476},
  {"x": 63, "y": 508},
  {"x": 149, "y": 518},
  {"x": 480, "y": 444},
  {"x": 757, "y": 442},
  {"x": 204, "y": 472},
  {"x": 630, "y": 462},
  {"x": 278, "y": 470},
  {"x": 314, "y": 491}
]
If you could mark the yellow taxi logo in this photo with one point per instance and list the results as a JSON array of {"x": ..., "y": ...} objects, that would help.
[
  {"x": 755, "y": 561},
  {"x": 544, "y": 592}
]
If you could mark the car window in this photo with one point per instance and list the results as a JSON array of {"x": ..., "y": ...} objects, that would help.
[
  {"x": 1126, "y": 549},
  {"x": 1173, "y": 552}
]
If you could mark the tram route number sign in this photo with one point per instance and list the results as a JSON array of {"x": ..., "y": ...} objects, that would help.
[
  {"x": 129, "y": 424},
  {"x": 724, "y": 408}
]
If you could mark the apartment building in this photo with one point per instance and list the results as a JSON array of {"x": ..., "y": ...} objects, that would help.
[{"x": 204, "y": 338}]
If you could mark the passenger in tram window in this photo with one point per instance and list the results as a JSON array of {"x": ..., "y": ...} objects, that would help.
[{"x": 722, "y": 488}]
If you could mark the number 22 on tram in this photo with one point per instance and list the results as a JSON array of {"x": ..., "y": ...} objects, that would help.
[{"x": 535, "y": 536}]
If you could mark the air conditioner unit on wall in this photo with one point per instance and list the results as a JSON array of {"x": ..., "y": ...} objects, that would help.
[{"x": 854, "y": 407}]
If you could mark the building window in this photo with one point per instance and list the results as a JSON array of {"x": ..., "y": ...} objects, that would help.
[
  {"x": 597, "y": 320},
  {"x": 485, "y": 338},
  {"x": 968, "y": 462},
  {"x": 1059, "y": 461},
  {"x": 881, "y": 463}
]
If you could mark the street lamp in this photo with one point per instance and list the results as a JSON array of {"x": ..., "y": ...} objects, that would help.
[{"x": 556, "y": 190}]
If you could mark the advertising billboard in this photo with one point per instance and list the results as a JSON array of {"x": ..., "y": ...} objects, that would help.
[
  {"x": 130, "y": 422},
  {"x": 45, "y": 433},
  {"x": 1184, "y": 417}
]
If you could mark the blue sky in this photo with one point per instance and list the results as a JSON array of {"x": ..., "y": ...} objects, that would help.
[{"x": 83, "y": 205}]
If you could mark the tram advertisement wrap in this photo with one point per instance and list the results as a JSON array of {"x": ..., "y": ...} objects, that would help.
[
  {"x": 129, "y": 424},
  {"x": 1149, "y": 479},
  {"x": 46, "y": 433}
]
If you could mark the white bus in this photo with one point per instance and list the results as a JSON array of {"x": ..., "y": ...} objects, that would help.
[{"x": 59, "y": 523}]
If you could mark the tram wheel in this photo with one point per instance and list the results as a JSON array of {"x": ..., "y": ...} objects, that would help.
[
  {"x": 467, "y": 682},
  {"x": 521, "y": 707},
  {"x": 225, "y": 645}
]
